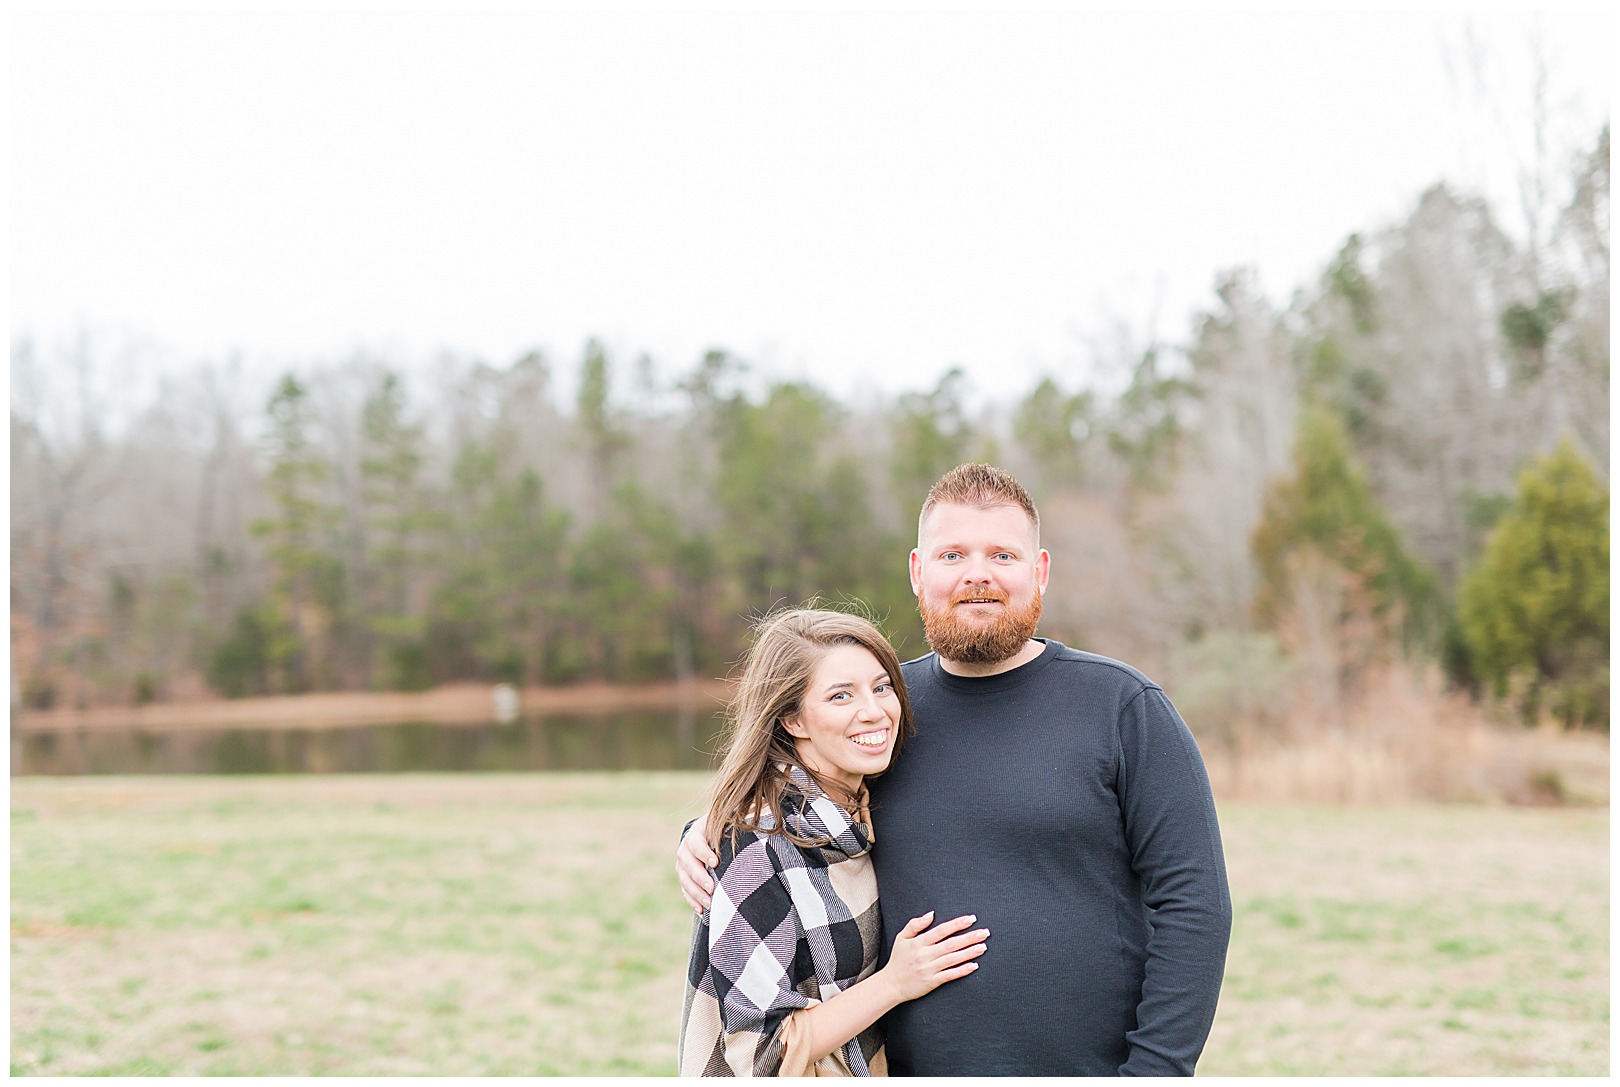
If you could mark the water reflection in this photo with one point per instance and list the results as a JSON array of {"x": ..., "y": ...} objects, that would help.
[{"x": 634, "y": 740}]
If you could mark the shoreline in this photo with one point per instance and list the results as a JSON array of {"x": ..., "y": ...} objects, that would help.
[{"x": 460, "y": 703}]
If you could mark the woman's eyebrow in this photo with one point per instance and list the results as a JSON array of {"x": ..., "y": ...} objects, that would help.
[{"x": 841, "y": 684}]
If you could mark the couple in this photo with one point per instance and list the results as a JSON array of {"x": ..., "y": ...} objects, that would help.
[{"x": 1049, "y": 796}]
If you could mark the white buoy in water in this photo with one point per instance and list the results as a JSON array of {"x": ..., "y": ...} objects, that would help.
[{"x": 506, "y": 703}]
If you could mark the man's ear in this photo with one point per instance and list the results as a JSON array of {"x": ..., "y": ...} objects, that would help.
[
  {"x": 794, "y": 728},
  {"x": 916, "y": 573}
]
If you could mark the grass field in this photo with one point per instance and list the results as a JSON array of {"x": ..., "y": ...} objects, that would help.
[{"x": 529, "y": 924}]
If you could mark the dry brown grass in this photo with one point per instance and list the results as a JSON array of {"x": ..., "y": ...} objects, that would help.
[
  {"x": 1403, "y": 740},
  {"x": 1328, "y": 708}
]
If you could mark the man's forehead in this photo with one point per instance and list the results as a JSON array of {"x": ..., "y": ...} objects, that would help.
[{"x": 976, "y": 518}]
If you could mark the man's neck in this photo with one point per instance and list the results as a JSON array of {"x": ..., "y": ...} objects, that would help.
[{"x": 1031, "y": 650}]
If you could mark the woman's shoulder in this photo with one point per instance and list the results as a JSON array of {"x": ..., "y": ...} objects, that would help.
[
  {"x": 750, "y": 858},
  {"x": 735, "y": 840}
]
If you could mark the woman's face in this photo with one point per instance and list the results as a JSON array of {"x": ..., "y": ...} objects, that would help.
[{"x": 847, "y": 726}]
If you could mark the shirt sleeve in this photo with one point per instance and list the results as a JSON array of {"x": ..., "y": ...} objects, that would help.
[
  {"x": 753, "y": 941},
  {"x": 1175, "y": 843}
]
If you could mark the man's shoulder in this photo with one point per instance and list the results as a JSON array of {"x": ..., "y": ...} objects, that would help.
[
  {"x": 918, "y": 671},
  {"x": 1096, "y": 668}
]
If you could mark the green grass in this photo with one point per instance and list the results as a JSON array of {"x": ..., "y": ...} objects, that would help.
[{"x": 530, "y": 925}]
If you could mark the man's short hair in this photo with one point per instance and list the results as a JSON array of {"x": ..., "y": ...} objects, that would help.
[{"x": 979, "y": 486}]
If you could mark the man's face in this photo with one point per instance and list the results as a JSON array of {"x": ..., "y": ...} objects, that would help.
[{"x": 979, "y": 579}]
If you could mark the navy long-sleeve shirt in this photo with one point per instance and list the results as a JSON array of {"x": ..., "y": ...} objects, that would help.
[{"x": 1066, "y": 804}]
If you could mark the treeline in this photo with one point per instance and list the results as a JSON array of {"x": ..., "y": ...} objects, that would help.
[{"x": 1409, "y": 460}]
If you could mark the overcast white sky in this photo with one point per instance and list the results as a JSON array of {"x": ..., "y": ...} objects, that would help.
[{"x": 863, "y": 198}]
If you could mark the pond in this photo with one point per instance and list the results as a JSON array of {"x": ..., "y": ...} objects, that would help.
[{"x": 632, "y": 740}]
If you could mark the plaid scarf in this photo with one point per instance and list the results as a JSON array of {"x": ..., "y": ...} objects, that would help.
[{"x": 789, "y": 926}]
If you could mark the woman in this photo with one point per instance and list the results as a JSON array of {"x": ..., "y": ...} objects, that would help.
[{"x": 783, "y": 977}]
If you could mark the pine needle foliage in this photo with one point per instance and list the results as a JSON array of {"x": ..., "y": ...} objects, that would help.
[
  {"x": 1328, "y": 506},
  {"x": 1535, "y": 610}
]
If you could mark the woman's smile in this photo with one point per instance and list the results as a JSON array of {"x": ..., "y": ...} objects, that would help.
[{"x": 845, "y": 726}]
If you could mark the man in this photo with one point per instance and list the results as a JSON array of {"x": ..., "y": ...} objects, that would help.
[{"x": 1058, "y": 796}]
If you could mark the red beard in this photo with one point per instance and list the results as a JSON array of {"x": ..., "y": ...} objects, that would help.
[{"x": 978, "y": 642}]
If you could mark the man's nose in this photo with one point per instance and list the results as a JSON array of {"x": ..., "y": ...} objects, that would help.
[{"x": 975, "y": 572}]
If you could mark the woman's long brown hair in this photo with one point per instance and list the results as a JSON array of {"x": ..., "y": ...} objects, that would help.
[{"x": 788, "y": 645}]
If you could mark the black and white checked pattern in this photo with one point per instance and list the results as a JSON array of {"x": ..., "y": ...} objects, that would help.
[{"x": 789, "y": 927}]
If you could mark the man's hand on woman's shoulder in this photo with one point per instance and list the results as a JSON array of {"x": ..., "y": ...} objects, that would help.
[{"x": 693, "y": 859}]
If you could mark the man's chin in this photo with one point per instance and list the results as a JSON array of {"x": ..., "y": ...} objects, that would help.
[
  {"x": 979, "y": 639},
  {"x": 977, "y": 652}
]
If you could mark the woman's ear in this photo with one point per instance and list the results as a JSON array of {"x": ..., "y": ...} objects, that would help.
[{"x": 794, "y": 728}]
